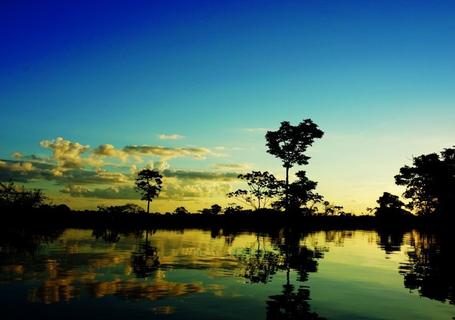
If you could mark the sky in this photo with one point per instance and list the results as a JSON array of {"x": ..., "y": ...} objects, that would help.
[{"x": 93, "y": 91}]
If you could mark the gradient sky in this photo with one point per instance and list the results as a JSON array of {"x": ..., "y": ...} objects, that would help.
[{"x": 212, "y": 76}]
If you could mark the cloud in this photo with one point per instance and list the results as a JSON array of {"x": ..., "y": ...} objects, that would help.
[
  {"x": 181, "y": 191},
  {"x": 17, "y": 171},
  {"x": 108, "y": 150},
  {"x": 16, "y": 166},
  {"x": 255, "y": 130},
  {"x": 26, "y": 171},
  {"x": 17, "y": 155},
  {"x": 231, "y": 166},
  {"x": 68, "y": 154},
  {"x": 125, "y": 192},
  {"x": 170, "y": 137},
  {"x": 168, "y": 152},
  {"x": 200, "y": 175}
]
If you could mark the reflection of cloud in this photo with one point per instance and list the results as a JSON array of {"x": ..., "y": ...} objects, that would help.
[
  {"x": 170, "y": 137},
  {"x": 163, "y": 310}
]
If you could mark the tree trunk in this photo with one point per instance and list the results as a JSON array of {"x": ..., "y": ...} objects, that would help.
[
  {"x": 287, "y": 190},
  {"x": 148, "y": 206}
]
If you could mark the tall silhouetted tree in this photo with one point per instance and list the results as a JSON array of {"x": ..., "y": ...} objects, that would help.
[
  {"x": 430, "y": 183},
  {"x": 262, "y": 186},
  {"x": 289, "y": 143},
  {"x": 149, "y": 183}
]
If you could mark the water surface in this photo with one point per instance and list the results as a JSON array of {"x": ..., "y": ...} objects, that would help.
[{"x": 219, "y": 274}]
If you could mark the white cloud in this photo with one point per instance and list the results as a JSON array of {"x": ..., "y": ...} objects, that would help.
[
  {"x": 168, "y": 152},
  {"x": 231, "y": 166},
  {"x": 170, "y": 136}
]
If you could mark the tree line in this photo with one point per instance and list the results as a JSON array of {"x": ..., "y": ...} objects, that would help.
[{"x": 429, "y": 185}]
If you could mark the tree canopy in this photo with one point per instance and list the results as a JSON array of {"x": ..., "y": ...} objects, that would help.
[
  {"x": 14, "y": 197},
  {"x": 149, "y": 183},
  {"x": 289, "y": 143},
  {"x": 262, "y": 186},
  {"x": 430, "y": 183}
]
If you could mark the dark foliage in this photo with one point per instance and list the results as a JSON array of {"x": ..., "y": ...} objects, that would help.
[
  {"x": 430, "y": 183},
  {"x": 149, "y": 184},
  {"x": 289, "y": 143}
]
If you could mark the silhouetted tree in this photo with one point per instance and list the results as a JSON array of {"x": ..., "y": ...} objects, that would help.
[
  {"x": 232, "y": 209},
  {"x": 262, "y": 187},
  {"x": 213, "y": 210},
  {"x": 14, "y": 197},
  {"x": 289, "y": 143},
  {"x": 129, "y": 208},
  {"x": 181, "y": 211},
  {"x": 430, "y": 183},
  {"x": 300, "y": 193},
  {"x": 390, "y": 207},
  {"x": 329, "y": 209},
  {"x": 148, "y": 183}
]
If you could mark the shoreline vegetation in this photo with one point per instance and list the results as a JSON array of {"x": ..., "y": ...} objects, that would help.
[{"x": 272, "y": 203}]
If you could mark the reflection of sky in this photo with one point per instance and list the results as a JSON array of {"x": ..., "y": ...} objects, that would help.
[{"x": 376, "y": 76}]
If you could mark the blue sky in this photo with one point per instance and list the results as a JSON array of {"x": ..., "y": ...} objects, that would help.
[{"x": 377, "y": 76}]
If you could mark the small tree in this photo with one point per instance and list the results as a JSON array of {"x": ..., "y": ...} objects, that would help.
[
  {"x": 262, "y": 187},
  {"x": 14, "y": 197},
  {"x": 149, "y": 183},
  {"x": 289, "y": 143},
  {"x": 181, "y": 211},
  {"x": 213, "y": 210},
  {"x": 390, "y": 207},
  {"x": 216, "y": 209}
]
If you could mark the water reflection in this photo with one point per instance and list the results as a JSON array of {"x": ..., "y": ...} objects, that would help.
[
  {"x": 431, "y": 266},
  {"x": 390, "y": 240},
  {"x": 164, "y": 268},
  {"x": 145, "y": 260}
]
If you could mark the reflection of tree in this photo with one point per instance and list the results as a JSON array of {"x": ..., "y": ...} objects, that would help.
[
  {"x": 259, "y": 263},
  {"x": 293, "y": 303},
  {"x": 390, "y": 240},
  {"x": 431, "y": 267},
  {"x": 286, "y": 254},
  {"x": 290, "y": 304},
  {"x": 17, "y": 241},
  {"x": 145, "y": 261},
  {"x": 107, "y": 235}
]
